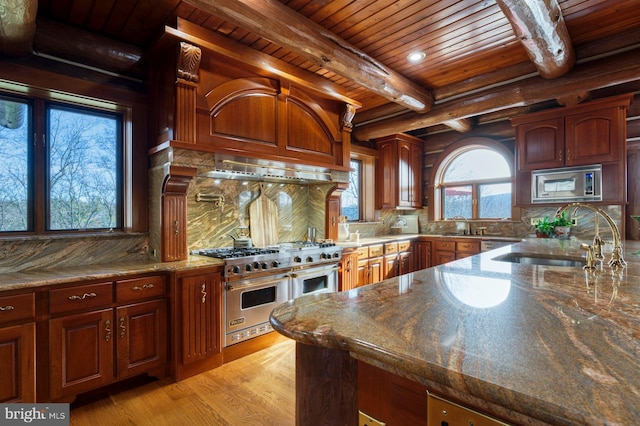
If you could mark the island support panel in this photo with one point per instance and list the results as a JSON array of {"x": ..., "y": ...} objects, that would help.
[{"x": 326, "y": 386}]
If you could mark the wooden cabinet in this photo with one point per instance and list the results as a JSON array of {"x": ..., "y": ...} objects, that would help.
[
  {"x": 399, "y": 172},
  {"x": 198, "y": 345},
  {"x": 96, "y": 338},
  {"x": 422, "y": 255},
  {"x": 370, "y": 264},
  {"x": 591, "y": 133},
  {"x": 448, "y": 250},
  {"x": 348, "y": 271},
  {"x": 467, "y": 248},
  {"x": 17, "y": 348}
]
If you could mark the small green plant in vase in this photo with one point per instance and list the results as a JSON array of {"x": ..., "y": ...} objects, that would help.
[
  {"x": 544, "y": 228},
  {"x": 562, "y": 226}
]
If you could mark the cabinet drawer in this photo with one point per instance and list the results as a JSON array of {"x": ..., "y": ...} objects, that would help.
[
  {"x": 17, "y": 307},
  {"x": 470, "y": 247},
  {"x": 80, "y": 297},
  {"x": 376, "y": 250},
  {"x": 363, "y": 252},
  {"x": 140, "y": 288},
  {"x": 390, "y": 248},
  {"x": 445, "y": 245},
  {"x": 404, "y": 246}
]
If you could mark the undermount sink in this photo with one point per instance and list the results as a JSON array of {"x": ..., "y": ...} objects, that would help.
[{"x": 537, "y": 259}]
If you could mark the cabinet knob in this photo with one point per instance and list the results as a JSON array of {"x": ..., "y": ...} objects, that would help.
[
  {"x": 123, "y": 328},
  {"x": 84, "y": 296},
  {"x": 107, "y": 328},
  {"x": 560, "y": 155},
  {"x": 7, "y": 308}
]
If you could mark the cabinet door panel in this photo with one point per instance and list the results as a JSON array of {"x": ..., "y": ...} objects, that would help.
[
  {"x": 142, "y": 337},
  {"x": 593, "y": 137},
  {"x": 81, "y": 352},
  {"x": 376, "y": 269},
  {"x": 540, "y": 144},
  {"x": 174, "y": 227},
  {"x": 363, "y": 272},
  {"x": 201, "y": 318},
  {"x": 17, "y": 363},
  {"x": 390, "y": 266}
]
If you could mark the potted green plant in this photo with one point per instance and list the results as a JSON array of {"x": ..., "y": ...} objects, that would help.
[
  {"x": 544, "y": 228},
  {"x": 562, "y": 226}
]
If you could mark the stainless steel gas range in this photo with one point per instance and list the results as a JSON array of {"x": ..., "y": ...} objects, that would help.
[{"x": 256, "y": 280}]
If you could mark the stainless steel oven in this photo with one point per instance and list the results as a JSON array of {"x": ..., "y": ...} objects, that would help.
[
  {"x": 248, "y": 305},
  {"x": 314, "y": 280}
]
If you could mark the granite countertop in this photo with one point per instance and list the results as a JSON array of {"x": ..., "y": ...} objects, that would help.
[
  {"x": 45, "y": 277},
  {"x": 553, "y": 344}
]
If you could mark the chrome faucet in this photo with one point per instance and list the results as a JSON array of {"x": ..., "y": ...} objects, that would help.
[
  {"x": 595, "y": 251},
  {"x": 467, "y": 226}
]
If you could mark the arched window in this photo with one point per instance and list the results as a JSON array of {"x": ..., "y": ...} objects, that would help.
[{"x": 474, "y": 180}]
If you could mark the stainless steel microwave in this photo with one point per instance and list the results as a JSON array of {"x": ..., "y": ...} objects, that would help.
[{"x": 583, "y": 183}]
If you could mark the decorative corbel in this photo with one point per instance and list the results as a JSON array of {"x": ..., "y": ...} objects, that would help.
[
  {"x": 347, "y": 116},
  {"x": 189, "y": 62}
]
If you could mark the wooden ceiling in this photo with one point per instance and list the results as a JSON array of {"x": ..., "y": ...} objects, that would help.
[{"x": 470, "y": 47}]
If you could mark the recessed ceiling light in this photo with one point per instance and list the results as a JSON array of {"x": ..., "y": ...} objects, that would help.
[{"x": 416, "y": 56}]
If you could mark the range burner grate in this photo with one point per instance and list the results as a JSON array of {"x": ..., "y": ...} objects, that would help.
[{"x": 231, "y": 253}]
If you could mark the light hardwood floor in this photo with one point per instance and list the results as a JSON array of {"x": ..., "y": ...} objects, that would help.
[{"x": 258, "y": 389}]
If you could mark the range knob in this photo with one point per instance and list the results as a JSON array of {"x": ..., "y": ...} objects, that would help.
[
  {"x": 248, "y": 267},
  {"x": 256, "y": 265},
  {"x": 236, "y": 269},
  {"x": 275, "y": 264},
  {"x": 324, "y": 256},
  {"x": 309, "y": 259},
  {"x": 297, "y": 259},
  {"x": 264, "y": 265},
  {"x": 336, "y": 255}
]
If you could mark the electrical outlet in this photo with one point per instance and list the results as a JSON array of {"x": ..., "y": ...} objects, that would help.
[
  {"x": 574, "y": 221},
  {"x": 535, "y": 220}
]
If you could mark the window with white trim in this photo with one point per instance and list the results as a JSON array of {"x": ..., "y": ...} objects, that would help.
[{"x": 475, "y": 182}]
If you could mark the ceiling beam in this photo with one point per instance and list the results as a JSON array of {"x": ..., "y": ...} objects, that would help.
[
  {"x": 17, "y": 26},
  {"x": 287, "y": 28},
  {"x": 605, "y": 72},
  {"x": 540, "y": 27}
]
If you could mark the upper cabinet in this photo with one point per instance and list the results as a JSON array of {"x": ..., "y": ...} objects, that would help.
[
  {"x": 399, "y": 172},
  {"x": 591, "y": 133}
]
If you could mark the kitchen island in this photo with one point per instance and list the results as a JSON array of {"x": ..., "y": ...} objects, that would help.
[{"x": 527, "y": 343}]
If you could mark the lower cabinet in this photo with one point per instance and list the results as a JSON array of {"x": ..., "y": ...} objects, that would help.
[
  {"x": 448, "y": 250},
  {"x": 198, "y": 313},
  {"x": 17, "y": 348},
  {"x": 96, "y": 339},
  {"x": 422, "y": 256},
  {"x": 348, "y": 271},
  {"x": 81, "y": 353}
]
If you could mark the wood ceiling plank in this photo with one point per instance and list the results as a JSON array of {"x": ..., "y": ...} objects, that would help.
[
  {"x": 99, "y": 13},
  {"x": 606, "y": 72},
  {"x": 296, "y": 33},
  {"x": 59, "y": 9},
  {"x": 118, "y": 18},
  {"x": 79, "y": 13}
]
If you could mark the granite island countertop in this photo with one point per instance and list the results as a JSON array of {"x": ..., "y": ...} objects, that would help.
[{"x": 530, "y": 343}]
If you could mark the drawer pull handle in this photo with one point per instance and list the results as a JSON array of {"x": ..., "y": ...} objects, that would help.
[
  {"x": 84, "y": 296},
  {"x": 107, "y": 328},
  {"x": 203, "y": 293},
  {"x": 7, "y": 308},
  {"x": 123, "y": 328},
  {"x": 138, "y": 288}
]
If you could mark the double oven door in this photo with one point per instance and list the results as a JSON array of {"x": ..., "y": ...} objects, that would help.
[{"x": 248, "y": 305}]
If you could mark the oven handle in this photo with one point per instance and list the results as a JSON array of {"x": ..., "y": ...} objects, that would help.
[
  {"x": 246, "y": 284},
  {"x": 315, "y": 271}
]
